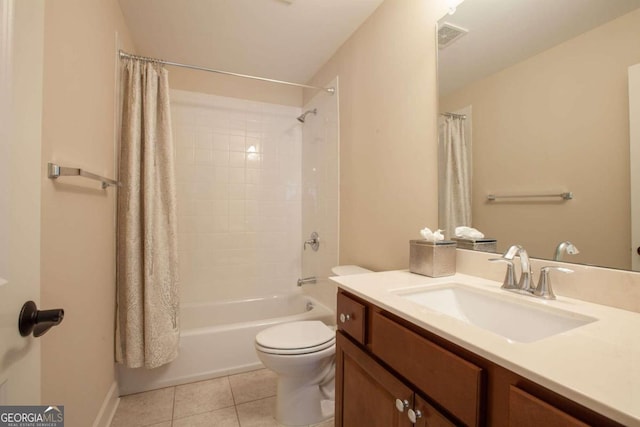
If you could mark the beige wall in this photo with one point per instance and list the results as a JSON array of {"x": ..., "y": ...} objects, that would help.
[
  {"x": 388, "y": 149},
  {"x": 234, "y": 87},
  {"x": 536, "y": 127},
  {"x": 78, "y": 233}
]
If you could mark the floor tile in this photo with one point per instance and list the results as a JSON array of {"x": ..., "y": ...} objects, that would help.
[
  {"x": 226, "y": 417},
  {"x": 258, "y": 413},
  {"x": 203, "y": 396},
  {"x": 328, "y": 423},
  {"x": 144, "y": 409},
  {"x": 253, "y": 385}
]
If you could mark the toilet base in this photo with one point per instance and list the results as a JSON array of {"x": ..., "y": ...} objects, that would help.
[{"x": 298, "y": 404}]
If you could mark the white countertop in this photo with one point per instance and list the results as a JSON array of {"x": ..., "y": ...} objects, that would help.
[{"x": 596, "y": 365}]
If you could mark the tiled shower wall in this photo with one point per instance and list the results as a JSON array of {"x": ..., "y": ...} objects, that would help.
[{"x": 238, "y": 173}]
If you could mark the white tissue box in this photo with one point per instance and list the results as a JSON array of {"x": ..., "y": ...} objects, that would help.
[
  {"x": 432, "y": 259},
  {"x": 484, "y": 245}
]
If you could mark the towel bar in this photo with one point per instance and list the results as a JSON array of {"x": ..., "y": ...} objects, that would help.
[
  {"x": 565, "y": 196},
  {"x": 55, "y": 171}
]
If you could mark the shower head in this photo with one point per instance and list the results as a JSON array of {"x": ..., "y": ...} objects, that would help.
[{"x": 302, "y": 116}]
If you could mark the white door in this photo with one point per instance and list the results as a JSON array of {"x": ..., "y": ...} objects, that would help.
[
  {"x": 21, "y": 44},
  {"x": 634, "y": 134}
]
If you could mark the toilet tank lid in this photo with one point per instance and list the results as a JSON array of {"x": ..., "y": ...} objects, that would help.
[
  {"x": 346, "y": 270},
  {"x": 295, "y": 335}
]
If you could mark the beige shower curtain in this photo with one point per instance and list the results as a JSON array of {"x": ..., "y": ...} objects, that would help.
[
  {"x": 455, "y": 200},
  {"x": 147, "y": 331}
]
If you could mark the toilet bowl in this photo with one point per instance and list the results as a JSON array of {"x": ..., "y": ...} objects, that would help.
[{"x": 303, "y": 355}]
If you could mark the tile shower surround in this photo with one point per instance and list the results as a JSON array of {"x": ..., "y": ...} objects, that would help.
[{"x": 238, "y": 173}]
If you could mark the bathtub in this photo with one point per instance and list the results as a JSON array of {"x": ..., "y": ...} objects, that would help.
[{"x": 216, "y": 339}]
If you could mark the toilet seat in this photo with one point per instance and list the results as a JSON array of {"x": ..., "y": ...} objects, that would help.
[
  {"x": 293, "y": 338},
  {"x": 297, "y": 351}
]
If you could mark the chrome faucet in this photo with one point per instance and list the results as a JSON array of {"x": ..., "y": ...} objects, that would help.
[
  {"x": 306, "y": 280},
  {"x": 542, "y": 290},
  {"x": 524, "y": 284},
  {"x": 563, "y": 247}
]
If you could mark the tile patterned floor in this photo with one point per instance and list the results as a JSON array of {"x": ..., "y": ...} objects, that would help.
[{"x": 242, "y": 400}]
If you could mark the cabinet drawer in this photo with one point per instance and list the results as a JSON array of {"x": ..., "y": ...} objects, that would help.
[
  {"x": 448, "y": 379},
  {"x": 351, "y": 317},
  {"x": 526, "y": 410}
]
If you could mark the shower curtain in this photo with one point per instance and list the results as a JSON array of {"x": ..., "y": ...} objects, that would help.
[
  {"x": 147, "y": 331},
  {"x": 455, "y": 191}
]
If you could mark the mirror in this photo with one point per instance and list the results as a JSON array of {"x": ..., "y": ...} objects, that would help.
[{"x": 544, "y": 88}]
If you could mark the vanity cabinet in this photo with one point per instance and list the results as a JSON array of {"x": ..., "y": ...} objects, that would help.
[
  {"x": 526, "y": 410},
  {"x": 372, "y": 396},
  {"x": 450, "y": 380},
  {"x": 385, "y": 364}
]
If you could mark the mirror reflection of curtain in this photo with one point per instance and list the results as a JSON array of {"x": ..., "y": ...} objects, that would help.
[{"x": 455, "y": 175}]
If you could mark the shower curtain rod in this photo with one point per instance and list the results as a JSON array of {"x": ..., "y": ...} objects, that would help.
[
  {"x": 329, "y": 90},
  {"x": 461, "y": 116}
]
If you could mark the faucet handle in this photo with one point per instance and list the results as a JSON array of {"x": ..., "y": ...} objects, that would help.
[
  {"x": 510, "y": 276},
  {"x": 544, "y": 290},
  {"x": 314, "y": 242}
]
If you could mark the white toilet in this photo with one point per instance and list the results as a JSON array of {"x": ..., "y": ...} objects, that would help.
[{"x": 303, "y": 355}]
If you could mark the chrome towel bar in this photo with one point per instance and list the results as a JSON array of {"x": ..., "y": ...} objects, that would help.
[
  {"x": 565, "y": 196},
  {"x": 55, "y": 171}
]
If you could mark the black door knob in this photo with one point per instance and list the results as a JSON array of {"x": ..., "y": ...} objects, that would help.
[{"x": 38, "y": 321}]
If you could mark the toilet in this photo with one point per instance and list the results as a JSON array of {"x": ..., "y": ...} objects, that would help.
[{"x": 302, "y": 354}]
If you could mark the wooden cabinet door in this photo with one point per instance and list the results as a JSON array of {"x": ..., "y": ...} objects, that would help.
[
  {"x": 429, "y": 416},
  {"x": 366, "y": 393}
]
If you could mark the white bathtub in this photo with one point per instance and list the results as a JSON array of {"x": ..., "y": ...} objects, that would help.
[{"x": 216, "y": 339}]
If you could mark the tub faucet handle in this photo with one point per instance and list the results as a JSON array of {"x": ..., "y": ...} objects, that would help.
[{"x": 314, "y": 242}]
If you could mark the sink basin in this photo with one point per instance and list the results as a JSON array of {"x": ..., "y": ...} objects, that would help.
[{"x": 509, "y": 317}]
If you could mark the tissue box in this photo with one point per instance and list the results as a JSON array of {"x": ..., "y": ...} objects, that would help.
[
  {"x": 484, "y": 245},
  {"x": 432, "y": 259}
]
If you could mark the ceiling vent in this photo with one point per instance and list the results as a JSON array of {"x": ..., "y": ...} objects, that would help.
[{"x": 448, "y": 34}]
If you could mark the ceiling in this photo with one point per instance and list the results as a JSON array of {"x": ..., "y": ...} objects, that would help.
[
  {"x": 279, "y": 39},
  {"x": 505, "y": 32}
]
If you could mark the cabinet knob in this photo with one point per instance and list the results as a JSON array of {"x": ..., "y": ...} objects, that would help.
[
  {"x": 401, "y": 405},
  {"x": 344, "y": 317},
  {"x": 414, "y": 415}
]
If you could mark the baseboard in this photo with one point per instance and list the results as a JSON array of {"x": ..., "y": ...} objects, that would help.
[
  {"x": 140, "y": 380},
  {"x": 108, "y": 408}
]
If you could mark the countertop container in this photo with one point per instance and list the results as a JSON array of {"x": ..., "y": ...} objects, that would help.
[{"x": 433, "y": 259}]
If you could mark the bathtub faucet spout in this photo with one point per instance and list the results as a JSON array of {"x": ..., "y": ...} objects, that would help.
[{"x": 306, "y": 280}]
